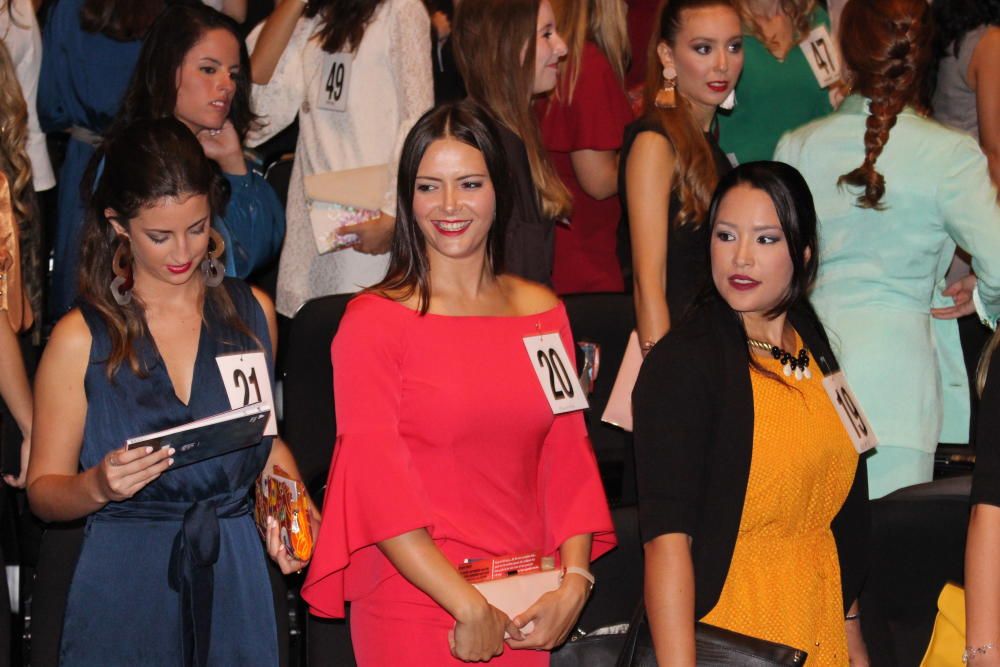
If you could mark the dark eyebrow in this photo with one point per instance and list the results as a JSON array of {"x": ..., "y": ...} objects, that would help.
[
  {"x": 211, "y": 60},
  {"x": 167, "y": 231}
]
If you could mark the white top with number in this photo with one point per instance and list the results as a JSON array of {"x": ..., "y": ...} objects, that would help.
[
  {"x": 335, "y": 82},
  {"x": 556, "y": 373}
]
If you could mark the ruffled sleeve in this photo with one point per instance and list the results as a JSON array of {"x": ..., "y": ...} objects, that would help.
[
  {"x": 373, "y": 492},
  {"x": 570, "y": 489}
]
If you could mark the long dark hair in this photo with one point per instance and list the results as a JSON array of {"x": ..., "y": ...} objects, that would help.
[
  {"x": 887, "y": 48},
  {"x": 343, "y": 22},
  {"x": 793, "y": 202},
  {"x": 152, "y": 91},
  {"x": 121, "y": 20},
  {"x": 954, "y": 18},
  {"x": 465, "y": 121},
  {"x": 145, "y": 163},
  {"x": 695, "y": 176}
]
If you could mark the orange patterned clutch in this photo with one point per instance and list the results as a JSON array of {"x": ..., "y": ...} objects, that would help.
[{"x": 285, "y": 499}]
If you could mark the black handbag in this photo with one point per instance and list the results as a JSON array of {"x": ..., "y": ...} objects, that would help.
[
  {"x": 714, "y": 647},
  {"x": 599, "y": 648}
]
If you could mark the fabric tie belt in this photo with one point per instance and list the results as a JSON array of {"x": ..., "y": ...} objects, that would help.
[{"x": 192, "y": 558}]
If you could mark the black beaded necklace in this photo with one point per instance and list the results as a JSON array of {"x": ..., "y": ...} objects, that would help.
[{"x": 799, "y": 364}]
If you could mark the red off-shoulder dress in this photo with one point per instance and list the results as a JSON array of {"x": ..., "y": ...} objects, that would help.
[{"x": 442, "y": 424}]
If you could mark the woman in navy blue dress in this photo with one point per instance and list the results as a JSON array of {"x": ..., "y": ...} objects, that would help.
[{"x": 172, "y": 571}]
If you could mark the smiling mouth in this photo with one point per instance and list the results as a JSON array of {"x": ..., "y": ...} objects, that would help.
[{"x": 451, "y": 227}]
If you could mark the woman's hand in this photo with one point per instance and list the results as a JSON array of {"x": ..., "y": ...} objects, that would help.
[
  {"x": 961, "y": 293},
  {"x": 223, "y": 146},
  {"x": 374, "y": 236},
  {"x": 277, "y": 551},
  {"x": 554, "y": 615},
  {"x": 124, "y": 472},
  {"x": 19, "y": 481},
  {"x": 478, "y": 635}
]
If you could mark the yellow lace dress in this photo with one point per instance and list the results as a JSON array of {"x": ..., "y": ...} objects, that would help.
[{"x": 784, "y": 581}]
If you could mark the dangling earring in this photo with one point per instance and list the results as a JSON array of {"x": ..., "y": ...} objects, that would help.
[
  {"x": 213, "y": 269},
  {"x": 666, "y": 97},
  {"x": 121, "y": 266}
]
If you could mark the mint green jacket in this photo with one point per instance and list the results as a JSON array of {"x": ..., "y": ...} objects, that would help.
[{"x": 881, "y": 272}]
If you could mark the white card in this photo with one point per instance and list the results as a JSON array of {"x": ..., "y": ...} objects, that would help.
[
  {"x": 335, "y": 81},
  {"x": 821, "y": 54},
  {"x": 849, "y": 410},
  {"x": 247, "y": 381},
  {"x": 556, "y": 373}
]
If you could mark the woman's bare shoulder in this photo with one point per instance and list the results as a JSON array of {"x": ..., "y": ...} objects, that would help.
[{"x": 527, "y": 297}]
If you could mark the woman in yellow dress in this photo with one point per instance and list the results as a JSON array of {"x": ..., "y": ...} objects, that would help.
[{"x": 753, "y": 505}]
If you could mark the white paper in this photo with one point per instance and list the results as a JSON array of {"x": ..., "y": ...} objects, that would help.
[
  {"x": 556, "y": 373},
  {"x": 247, "y": 381},
  {"x": 335, "y": 81},
  {"x": 821, "y": 54}
]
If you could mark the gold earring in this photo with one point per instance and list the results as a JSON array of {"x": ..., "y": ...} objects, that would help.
[{"x": 666, "y": 97}]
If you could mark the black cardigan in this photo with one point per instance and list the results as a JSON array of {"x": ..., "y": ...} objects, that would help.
[{"x": 694, "y": 412}]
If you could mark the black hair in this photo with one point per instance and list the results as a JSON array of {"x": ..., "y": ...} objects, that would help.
[
  {"x": 463, "y": 121},
  {"x": 342, "y": 22},
  {"x": 152, "y": 91},
  {"x": 793, "y": 202},
  {"x": 954, "y": 18}
]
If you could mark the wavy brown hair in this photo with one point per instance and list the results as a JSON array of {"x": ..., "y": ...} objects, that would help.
[
  {"x": 600, "y": 21},
  {"x": 489, "y": 37},
  {"x": 144, "y": 164},
  {"x": 343, "y": 22},
  {"x": 121, "y": 20},
  {"x": 887, "y": 48},
  {"x": 695, "y": 175},
  {"x": 800, "y": 13},
  {"x": 14, "y": 160}
]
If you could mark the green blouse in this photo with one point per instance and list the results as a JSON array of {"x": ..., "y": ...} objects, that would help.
[{"x": 772, "y": 97}]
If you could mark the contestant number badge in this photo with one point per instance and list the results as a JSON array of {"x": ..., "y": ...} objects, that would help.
[
  {"x": 821, "y": 54},
  {"x": 335, "y": 81},
  {"x": 248, "y": 381},
  {"x": 556, "y": 373},
  {"x": 849, "y": 410}
]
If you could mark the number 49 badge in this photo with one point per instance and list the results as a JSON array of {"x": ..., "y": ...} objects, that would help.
[
  {"x": 556, "y": 373},
  {"x": 247, "y": 381}
]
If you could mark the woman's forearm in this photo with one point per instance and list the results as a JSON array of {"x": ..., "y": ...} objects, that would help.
[
  {"x": 273, "y": 39},
  {"x": 652, "y": 316},
  {"x": 575, "y": 552},
  {"x": 669, "y": 594},
  {"x": 420, "y": 561},
  {"x": 982, "y": 576},
  {"x": 66, "y": 497}
]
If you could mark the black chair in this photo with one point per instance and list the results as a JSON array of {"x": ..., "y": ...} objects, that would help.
[
  {"x": 606, "y": 319},
  {"x": 310, "y": 429},
  {"x": 917, "y": 545}
]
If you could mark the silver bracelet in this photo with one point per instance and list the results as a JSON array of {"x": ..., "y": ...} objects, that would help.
[{"x": 975, "y": 652}]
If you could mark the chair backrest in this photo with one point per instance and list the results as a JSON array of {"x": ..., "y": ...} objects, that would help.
[
  {"x": 279, "y": 174},
  {"x": 310, "y": 423},
  {"x": 606, "y": 319},
  {"x": 917, "y": 545}
]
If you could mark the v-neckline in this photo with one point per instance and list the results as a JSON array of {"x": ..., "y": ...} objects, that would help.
[{"x": 194, "y": 371}]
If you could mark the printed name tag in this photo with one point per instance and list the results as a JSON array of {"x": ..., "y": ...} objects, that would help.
[
  {"x": 247, "y": 381},
  {"x": 556, "y": 373},
  {"x": 850, "y": 412},
  {"x": 335, "y": 81},
  {"x": 821, "y": 54}
]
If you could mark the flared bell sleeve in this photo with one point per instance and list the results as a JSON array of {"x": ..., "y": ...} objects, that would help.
[
  {"x": 373, "y": 491},
  {"x": 570, "y": 489}
]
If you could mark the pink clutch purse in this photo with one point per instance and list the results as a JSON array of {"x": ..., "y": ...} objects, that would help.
[
  {"x": 513, "y": 583},
  {"x": 618, "y": 411}
]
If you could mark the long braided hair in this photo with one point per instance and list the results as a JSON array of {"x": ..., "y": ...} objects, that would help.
[{"x": 887, "y": 48}]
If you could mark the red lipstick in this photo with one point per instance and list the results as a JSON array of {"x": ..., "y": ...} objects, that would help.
[
  {"x": 179, "y": 268},
  {"x": 743, "y": 283}
]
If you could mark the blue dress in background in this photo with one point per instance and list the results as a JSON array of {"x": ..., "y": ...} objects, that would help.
[
  {"x": 83, "y": 79},
  {"x": 145, "y": 590}
]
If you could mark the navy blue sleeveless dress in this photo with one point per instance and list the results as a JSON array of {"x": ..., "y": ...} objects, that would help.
[{"x": 176, "y": 575}]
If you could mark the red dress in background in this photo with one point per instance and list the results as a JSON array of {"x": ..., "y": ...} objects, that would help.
[
  {"x": 586, "y": 258},
  {"x": 442, "y": 424}
]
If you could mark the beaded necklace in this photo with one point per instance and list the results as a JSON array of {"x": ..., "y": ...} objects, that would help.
[{"x": 799, "y": 364}]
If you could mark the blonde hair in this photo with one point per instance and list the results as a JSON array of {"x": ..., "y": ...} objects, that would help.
[
  {"x": 799, "y": 11},
  {"x": 600, "y": 21},
  {"x": 489, "y": 37},
  {"x": 14, "y": 161}
]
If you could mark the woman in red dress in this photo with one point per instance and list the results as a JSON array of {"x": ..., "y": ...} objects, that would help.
[
  {"x": 447, "y": 447},
  {"x": 582, "y": 125}
]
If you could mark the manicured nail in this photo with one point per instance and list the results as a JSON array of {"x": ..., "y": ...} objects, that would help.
[
  {"x": 172, "y": 451},
  {"x": 170, "y": 462},
  {"x": 149, "y": 450}
]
